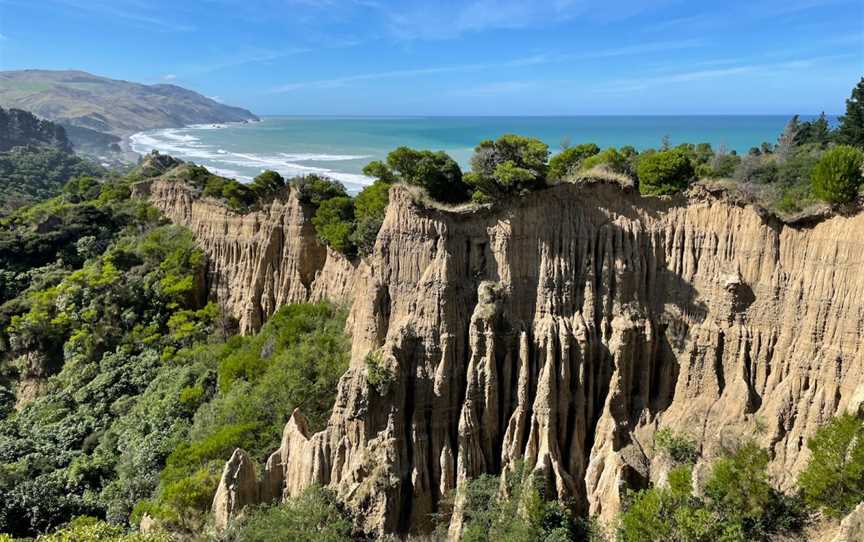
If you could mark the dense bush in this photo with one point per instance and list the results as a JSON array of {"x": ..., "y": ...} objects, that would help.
[
  {"x": 569, "y": 161},
  {"x": 88, "y": 529},
  {"x": 347, "y": 225},
  {"x": 511, "y": 164},
  {"x": 295, "y": 361},
  {"x": 851, "y": 129},
  {"x": 833, "y": 480},
  {"x": 680, "y": 448},
  {"x": 314, "y": 189},
  {"x": 739, "y": 504},
  {"x": 315, "y": 515},
  {"x": 520, "y": 513},
  {"x": 267, "y": 183},
  {"x": 436, "y": 172},
  {"x": 664, "y": 172},
  {"x": 30, "y": 174},
  {"x": 611, "y": 159},
  {"x": 369, "y": 208},
  {"x": 334, "y": 223},
  {"x": 837, "y": 175}
]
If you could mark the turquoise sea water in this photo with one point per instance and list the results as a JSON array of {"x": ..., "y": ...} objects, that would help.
[{"x": 340, "y": 147}]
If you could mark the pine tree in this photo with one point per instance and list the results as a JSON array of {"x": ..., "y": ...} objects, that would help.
[
  {"x": 851, "y": 131},
  {"x": 786, "y": 141}
]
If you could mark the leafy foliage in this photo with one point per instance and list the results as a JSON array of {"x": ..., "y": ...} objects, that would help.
[
  {"x": 334, "y": 223},
  {"x": 511, "y": 164},
  {"x": 34, "y": 173},
  {"x": 570, "y": 160},
  {"x": 436, "y": 172},
  {"x": 378, "y": 374},
  {"x": 520, "y": 514},
  {"x": 680, "y": 448},
  {"x": 315, "y": 516},
  {"x": 739, "y": 504},
  {"x": 838, "y": 174},
  {"x": 833, "y": 480},
  {"x": 851, "y": 129},
  {"x": 295, "y": 361},
  {"x": 664, "y": 172}
]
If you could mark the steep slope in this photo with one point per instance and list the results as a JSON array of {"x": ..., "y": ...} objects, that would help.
[
  {"x": 562, "y": 330},
  {"x": 109, "y": 106},
  {"x": 21, "y": 128}
]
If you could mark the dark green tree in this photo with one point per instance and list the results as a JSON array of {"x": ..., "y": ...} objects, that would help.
[
  {"x": 369, "y": 208},
  {"x": 817, "y": 132},
  {"x": 568, "y": 161},
  {"x": 837, "y": 175},
  {"x": 436, "y": 172},
  {"x": 334, "y": 223},
  {"x": 267, "y": 183},
  {"x": 511, "y": 164},
  {"x": 664, "y": 172},
  {"x": 851, "y": 129},
  {"x": 833, "y": 480}
]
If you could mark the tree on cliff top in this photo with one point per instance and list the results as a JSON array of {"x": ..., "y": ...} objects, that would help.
[
  {"x": 511, "y": 164},
  {"x": 436, "y": 172},
  {"x": 851, "y": 130},
  {"x": 837, "y": 175},
  {"x": 664, "y": 172}
]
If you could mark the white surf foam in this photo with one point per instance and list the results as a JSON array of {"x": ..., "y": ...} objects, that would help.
[{"x": 244, "y": 165}]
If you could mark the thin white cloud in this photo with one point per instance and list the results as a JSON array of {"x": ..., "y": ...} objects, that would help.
[
  {"x": 136, "y": 13},
  {"x": 545, "y": 58},
  {"x": 254, "y": 56},
  {"x": 755, "y": 69},
  {"x": 420, "y": 20},
  {"x": 169, "y": 77}
]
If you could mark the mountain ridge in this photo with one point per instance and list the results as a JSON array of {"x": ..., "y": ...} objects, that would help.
[{"x": 110, "y": 107}]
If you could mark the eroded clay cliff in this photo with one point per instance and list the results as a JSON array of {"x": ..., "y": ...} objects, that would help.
[{"x": 562, "y": 329}]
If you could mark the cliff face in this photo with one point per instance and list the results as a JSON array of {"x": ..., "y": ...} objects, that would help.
[
  {"x": 258, "y": 261},
  {"x": 563, "y": 331}
]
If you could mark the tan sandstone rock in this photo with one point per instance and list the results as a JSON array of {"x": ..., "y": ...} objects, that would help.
[
  {"x": 562, "y": 329},
  {"x": 237, "y": 488}
]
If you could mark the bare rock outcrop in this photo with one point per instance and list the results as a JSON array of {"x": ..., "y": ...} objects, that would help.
[
  {"x": 260, "y": 260},
  {"x": 237, "y": 488},
  {"x": 563, "y": 330}
]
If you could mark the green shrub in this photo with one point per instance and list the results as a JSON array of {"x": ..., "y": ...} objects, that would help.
[
  {"x": 739, "y": 486},
  {"x": 88, "y": 529},
  {"x": 837, "y": 176},
  {"x": 334, "y": 223},
  {"x": 568, "y": 161},
  {"x": 739, "y": 504},
  {"x": 680, "y": 448},
  {"x": 833, "y": 480},
  {"x": 664, "y": 172},
  {"x": 521, "y": 513},
  {"x": 511, "y": 164},
  {"x": 609, "y": 158},
  {"x": 436, "y": 172},
  {"x": 314, "y": 189},
  {"x": 378, "y": 374},
  {"x": 266, "y": 183},
  {"x": 369, "y": 208},
  {"x": 315, "y": 515}
]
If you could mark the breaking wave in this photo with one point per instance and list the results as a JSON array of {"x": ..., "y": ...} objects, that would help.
[{"x": 182, "y": 143}]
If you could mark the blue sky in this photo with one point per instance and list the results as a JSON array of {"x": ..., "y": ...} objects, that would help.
[{"x": 474, "y": 57}]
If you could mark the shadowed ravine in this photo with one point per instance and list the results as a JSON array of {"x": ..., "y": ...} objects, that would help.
[{"x": 562, "y": 329}]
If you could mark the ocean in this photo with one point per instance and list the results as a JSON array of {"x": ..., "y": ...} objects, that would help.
[{"x": 340, "y": 147}]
